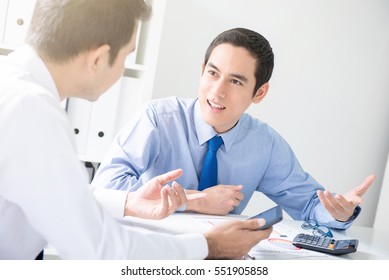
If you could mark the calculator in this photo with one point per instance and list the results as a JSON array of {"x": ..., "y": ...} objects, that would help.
[{"x": 325, "y": 244}]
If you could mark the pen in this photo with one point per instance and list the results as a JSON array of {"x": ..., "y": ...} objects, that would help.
[{"x": 248, "y": 257}]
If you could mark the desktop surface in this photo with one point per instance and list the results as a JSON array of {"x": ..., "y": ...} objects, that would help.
[{"x": 373, "y": 244}]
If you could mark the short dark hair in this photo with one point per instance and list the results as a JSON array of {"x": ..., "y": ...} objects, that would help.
[
  {"x": 62, "y": 29},
  {"x": 255, "y": 44}
]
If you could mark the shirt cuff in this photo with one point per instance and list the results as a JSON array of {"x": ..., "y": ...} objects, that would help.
[
  {"x": 196, "y": 245},
  {"x": 323, "y": 217},
  {"x": 112, "y": 200}
]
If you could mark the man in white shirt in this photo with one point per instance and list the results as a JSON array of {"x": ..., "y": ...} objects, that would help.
[{"x": 77, "y": 49}]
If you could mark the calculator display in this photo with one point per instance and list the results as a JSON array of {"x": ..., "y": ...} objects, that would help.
[{"x": 343, "y": 244}]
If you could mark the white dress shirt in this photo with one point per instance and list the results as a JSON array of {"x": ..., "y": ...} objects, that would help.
[{"x": 44, "y": 195}]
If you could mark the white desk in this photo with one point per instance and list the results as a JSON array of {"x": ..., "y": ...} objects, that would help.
[{"x": 373, "y": 243}]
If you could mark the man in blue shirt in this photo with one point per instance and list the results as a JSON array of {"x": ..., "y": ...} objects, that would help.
[{"x": 173, "y": 133}]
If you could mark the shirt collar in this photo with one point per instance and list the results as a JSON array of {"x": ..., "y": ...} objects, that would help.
[
  {"x": 205, "y": 131},
  {"x": 29, "y": 60}
]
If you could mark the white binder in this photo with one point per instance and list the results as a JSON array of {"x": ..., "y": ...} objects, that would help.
[
  {"x": 102, "y": 122},
  {"x": 79, "y": 113},
  {"x": 17, "y": 22},
  {"x": 129, "y": 102}
]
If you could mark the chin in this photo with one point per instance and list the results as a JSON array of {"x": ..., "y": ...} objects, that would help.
[{"x": 94, "y": 97}]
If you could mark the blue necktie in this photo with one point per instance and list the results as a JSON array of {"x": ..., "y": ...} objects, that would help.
[{"x": 208, "y": 177}]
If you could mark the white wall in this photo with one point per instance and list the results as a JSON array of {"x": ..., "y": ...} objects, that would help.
[
  {"x": 381, "y": 218},
  {"x": 329, "y": 94}
]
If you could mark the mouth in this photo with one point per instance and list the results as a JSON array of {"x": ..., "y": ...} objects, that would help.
[{"x": 215, "y": 106}]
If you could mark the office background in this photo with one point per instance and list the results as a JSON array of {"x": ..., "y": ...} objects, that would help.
[{"x": 329, "y": 94}]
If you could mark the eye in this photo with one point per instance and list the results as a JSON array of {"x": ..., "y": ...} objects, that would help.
[
  {"x": 211, "y": 72},
  {"x": 236, "y": 82}
]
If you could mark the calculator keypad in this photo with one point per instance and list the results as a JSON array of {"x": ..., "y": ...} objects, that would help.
[{"x": 325, "y": 244}]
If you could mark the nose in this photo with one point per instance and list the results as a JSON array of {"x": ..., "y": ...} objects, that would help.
[{"x": 218, "y": 89}]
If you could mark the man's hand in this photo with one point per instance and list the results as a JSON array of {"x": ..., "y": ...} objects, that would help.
[
  {"x": 341, "y": 207},
  {"x": 156, "y": 200},
  {"x": 220, "y": 200},
  {"x": 234, "y": 239}
]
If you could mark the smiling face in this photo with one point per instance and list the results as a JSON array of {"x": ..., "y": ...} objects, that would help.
[{"x": 227, "y": 86}]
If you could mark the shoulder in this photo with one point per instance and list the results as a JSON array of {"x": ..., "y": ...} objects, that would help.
[
  {"x": 170, "y": 105},
  {"x": 22, "y": 102},
  {"x": 166, "y": 109},
  {"x": 27, "y": 97},
  {"x": 254, "y": 125},
  {"x": 18, "y": 85},
  {"x": 26, "y": 94},
  {"x": 163, "y": 111},
  {"x": 262, "y": 132}
]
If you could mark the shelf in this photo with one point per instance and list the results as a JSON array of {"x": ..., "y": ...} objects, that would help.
[
  {"x": 5, "y": 50},
  {"x": 90, "y": 158}
]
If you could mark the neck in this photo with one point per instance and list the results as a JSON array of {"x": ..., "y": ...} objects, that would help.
[
  {"x": 224, "y": 131},
  {"x": 65, "y": 76}
]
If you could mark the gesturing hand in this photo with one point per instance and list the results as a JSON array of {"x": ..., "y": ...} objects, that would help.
[
  {"x": 341, "y": 207},
  {"x": 156, "y": 200}
]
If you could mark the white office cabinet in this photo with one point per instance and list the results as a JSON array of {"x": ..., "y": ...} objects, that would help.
[
  {"x": 3, "y": 16},
  {"x": 18, "y": 19},
  {"x": 128, "y": 101},
  {"x": 79, "y": 112},
  {"x": 102, "y": 122}
]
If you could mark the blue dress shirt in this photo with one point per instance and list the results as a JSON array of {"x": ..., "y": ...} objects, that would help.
[{"x": 171, "y": 133}]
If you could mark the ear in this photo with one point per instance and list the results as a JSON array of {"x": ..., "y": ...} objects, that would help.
[
  {"x": 98, "y": 57},
  {"x": 202, "y": 68},
  {"x": 261, "y": 93}
]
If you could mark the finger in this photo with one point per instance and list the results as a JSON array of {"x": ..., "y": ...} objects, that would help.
[
  {"x": 349, "y": 204},
  {"x": 239, "y": 196},
  {"x": 254, "y": 224},
  {"x": 331, "y": 199},
  {"x": 362, "y": 188},
  {"x": 344, "y": 208},
  {"x": 327, "y": 205},
  {"x": 169, "y": 176},
  {"x": 180, "y": 192},
  {"x": 164, "y": 200},
  {"x": 235, "y": 202},
  {"x": 337, "y": 206},
  {"x": 338, "y": 203},
  {"x": 173, "y": 198}
]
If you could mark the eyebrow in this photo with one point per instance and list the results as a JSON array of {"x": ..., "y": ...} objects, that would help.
[{"x": 237, "y": 76}]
